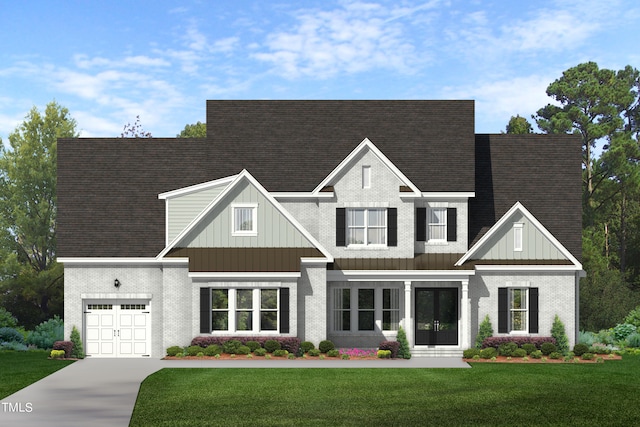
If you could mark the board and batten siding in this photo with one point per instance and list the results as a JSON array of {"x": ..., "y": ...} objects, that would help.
[
  {"x": 274, "y": 229},
  {"x": 184, "y": 209},
  {"x": 534, "y": 243}
]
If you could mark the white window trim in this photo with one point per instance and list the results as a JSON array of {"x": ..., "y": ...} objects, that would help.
[
  {"x": 366, "y": 176},
  {"x": 254, "y": 220},
  {"x": 256, "y": 310},
  {"x": 366, "y": 228},
  {"x": 518, "y": 237},
  {"x": 443, "y": 224}
]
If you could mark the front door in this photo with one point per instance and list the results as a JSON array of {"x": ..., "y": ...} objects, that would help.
[{"x": 436, "y": 314}]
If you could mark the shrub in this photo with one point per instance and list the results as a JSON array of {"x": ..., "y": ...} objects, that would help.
[
  {"x": 231, "y": 346},
  {"x": 536, "y": 354},
  {"x": 599, "y": 348},
  {"x": 9, "y": 334},
  {"x": 56, "y": 354},
  {"x": 587, "y": 356},
  {"x": 333, "y": 353},
  {"x": 291, "y": 356},
  {"x": 280, "y": 353},
  {"x": 623, "y": 330},
  {"x": 605, "y": 336},
  {"x": 306, "y": 346},
  {"x": 392, "y": 346},
  {"x": 633, "y": 340},
  {"x": 314, "y": 352},
  {"x": 174, "y": 350},
  {"x": 15, "y": 346},
  {"x": 7, "y": 320},
  {"x": 326, "y": 346},
  {"x": 244, "y": 349},
  {"x": 212, "y": 350},
  {"x": 485, "y": 331},
  {"x": 193, "y": 350},
  {"x": 496, "y": 341},
  {"x": 488, "y": 353},
  {"x": 633, "y": 317},
  {"x": 260, "y": 351},
  {"x": 253, "y": 345},
  {"x": 46, "y": 333},
  {"x": 470, "y": 353},
  {"x": 548, "y": 348},
  {"x": 588, "y": 338},
  {"x": 554, "y": 355},
  {"x": 384, "y": 354},
  {"x": 404, "y": 351},
  {"x": 558, "y": 332},
  {"x": 519, "y": 352},
  {"x": 77, "y": 351},
  {"x": 272, "y": 346},
  {"x": 580, "y": 349},
  {"x": 507, "y": 349},
  {"x": 528, "y": 347},
  {"x": 67, "y": 346}
]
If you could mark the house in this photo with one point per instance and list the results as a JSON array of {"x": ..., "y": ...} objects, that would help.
[{"x": 339, "y": 220}]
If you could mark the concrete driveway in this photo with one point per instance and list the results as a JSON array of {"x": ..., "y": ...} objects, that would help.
[{"x": 102, "y": 392}]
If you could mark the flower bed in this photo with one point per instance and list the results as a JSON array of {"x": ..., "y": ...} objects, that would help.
[{"x": 601, "y": 358}]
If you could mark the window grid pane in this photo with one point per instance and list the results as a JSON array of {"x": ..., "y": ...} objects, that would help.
[
  {"x": 342, "y": 312},
  {"x": 269, "y": 307},
  {"x": 366, "y": 227},
  {"x": 243, "y": 219},
  {"x": 390, "y": 309},
  {"x": 220, "y": 309},
  {"x": 437, "y": 224}
]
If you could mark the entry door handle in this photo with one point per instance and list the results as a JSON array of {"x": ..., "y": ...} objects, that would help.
[{"x": 436, "y": 325}]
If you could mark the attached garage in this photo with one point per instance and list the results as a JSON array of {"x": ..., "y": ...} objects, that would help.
[{"x": 117, "y": 328}]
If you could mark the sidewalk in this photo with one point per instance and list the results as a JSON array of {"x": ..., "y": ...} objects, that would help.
[{"x": 102, "y": 392}]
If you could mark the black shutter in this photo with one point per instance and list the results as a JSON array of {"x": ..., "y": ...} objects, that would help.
[
  {"x": 205, "y": 311},
  {"x": 392, "y": 227},
  {"x": 421, "y": 224},
  {"x": 503, "y": 311},
  {"x": 533, "y": 310},
  {"x": 452, "y": 224},
  {"x": 284, "y": 310},
  {"x": 341, "y": 227}
]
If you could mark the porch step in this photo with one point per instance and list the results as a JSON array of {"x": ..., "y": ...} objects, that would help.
[{"x": 436, "y": 352}]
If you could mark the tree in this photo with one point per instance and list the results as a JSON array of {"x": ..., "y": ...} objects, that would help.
[
  {"x": 519, "y": 125},
  {"x": 134, "y": 130},
  {"x": 198, "y": 130},
  {"x": 30, "y": 278}
]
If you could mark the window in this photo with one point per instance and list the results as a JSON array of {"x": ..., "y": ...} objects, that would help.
[
  {"x": 517, "y": 237},
  {"x": 367, "y": 227},
  {"x": 342, "y": 309},
  {"x": 518, "y": 310},
  {"x": 366, "y": 176},
  {"x": 244, "y": 310},
  {"x": 437, "y": 224},
  {"x": 367, "y": 309},
  {"x": 244, "y": 218}
]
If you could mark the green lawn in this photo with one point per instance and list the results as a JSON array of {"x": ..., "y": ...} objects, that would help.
[
  {"x": 19, "y": 369},
  {"x": 488, "y": 394}
]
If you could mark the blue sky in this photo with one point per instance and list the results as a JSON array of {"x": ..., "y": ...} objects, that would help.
[{"x": 108, "y": 62}]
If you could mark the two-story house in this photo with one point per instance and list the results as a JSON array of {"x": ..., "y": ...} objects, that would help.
[{"x": 320, "y": 219}]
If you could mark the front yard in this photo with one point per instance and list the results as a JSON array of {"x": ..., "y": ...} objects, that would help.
[
  {"x": 19, "y": 369},
  {"x": 487, "y": 394}
]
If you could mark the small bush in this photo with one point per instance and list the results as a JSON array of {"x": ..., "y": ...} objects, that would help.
[
  {"x": 605, "y": 336},
  {"x": 306, "y": 346},
  {"x": 253, "y": 345},
  {"x": 528, "y": 347},
  {"x": 7, "y": 320},
  {"x": 580, "y": 349},
  {"x": 56, "y": 354},
  {"x": 548, "y": 348},
  {"x": 519, "y": 352},
  {"x": 558, "y": 332},
  {"x": 9, "y": 334},
  {"x": 174, "y": 350},
  {"x": 46, "y": 333},
  {"x": 193, "y": 350},
  {"x": 15, "y": 346},
  {"x": 588, "y": 338},
  {"x": 291, "y": 356},
  {"x": 201, "y": 354},
  {"x": 212, "y": 350},
  {"x": 77, "y": 351},
  {"x": 392, "y": 346},
  {"x": 588, "y": 356},
  {"x": 622, "y": 331},
  {"x": 333, "y": 353},
  {"x": 485, "y": 331},
  {"x": 496, "y": 341},
  {"x": 384, "y": 354},
  {"x": 280, "y": 353},
  {"x": 244, "y": 350},
  {"x": 66, "y": 346},
  {"x": 470, "y": 353},
  {"x": 599, "y": 348},
  {"x": 488, "y": 353},
  {"x": 554, "y": 355},
  {"x": 633, "y": 340},
  {"x": 231, "y": 346},
  {"x": 272, "y": 345},
  {"x": 260, "y": 351},
  {"x": 633, "y": 317},
  {"x": 326, "y": 346},
  {"x": 536, "y": 354},
  {"x": 404, "y": 351},
  {"x": 314, "y": 352},
  {"x": 507, "y": 349}
]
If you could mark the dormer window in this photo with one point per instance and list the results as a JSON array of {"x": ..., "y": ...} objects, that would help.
[
  {"x": 244, "y": 220},
  {"x": 366, "y": 176},
  {"x": 517, "y": 237}
]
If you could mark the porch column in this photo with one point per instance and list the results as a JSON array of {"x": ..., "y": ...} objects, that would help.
[
  {"x": 408, "y": 324},
  {"x": 465, "y": 316}
]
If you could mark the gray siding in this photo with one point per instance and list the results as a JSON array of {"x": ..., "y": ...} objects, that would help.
[{"x": 182, "y": 210}]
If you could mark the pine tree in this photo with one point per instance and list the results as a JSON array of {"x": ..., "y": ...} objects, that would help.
[
  {"x": 77, "y": 351},
  {"x": 485, "y": 331},
  {"x": 557, "y": 332},
  {"x": 403, "y": 352}
]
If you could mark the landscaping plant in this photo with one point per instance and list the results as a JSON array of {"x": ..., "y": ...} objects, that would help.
[
  {"x": 485, "y": 331},
  {"x": 558, "y": 332},
  {"x": 77, "y": 351},
  {"x": 404, "y": 352},
  {"x": 46, "y": 333}
]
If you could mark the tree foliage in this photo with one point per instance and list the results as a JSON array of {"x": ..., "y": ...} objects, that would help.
[
  {"x": 134, "y": 130},
  {"x": 30, "y": 278},
  {"x": 519, "y": 125},
  {"x": 198, "y": 130}
]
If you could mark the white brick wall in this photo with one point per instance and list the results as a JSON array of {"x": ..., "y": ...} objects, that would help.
[{"x": 312, "y": 304}]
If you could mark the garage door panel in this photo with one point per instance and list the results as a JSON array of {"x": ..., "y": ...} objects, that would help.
[
  {"x": 125, "y": 320},
  {"x": 140, "y": 320},
  {"x": 140, "y": 334},
  {"x": 140, "y": 348},
  {"x": 117, "y": 329}
]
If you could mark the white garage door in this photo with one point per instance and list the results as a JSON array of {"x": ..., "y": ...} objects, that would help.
[{"x": 118, "y": 328}]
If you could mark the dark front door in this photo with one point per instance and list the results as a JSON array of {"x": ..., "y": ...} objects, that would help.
[{"x": 436, "y": 314}]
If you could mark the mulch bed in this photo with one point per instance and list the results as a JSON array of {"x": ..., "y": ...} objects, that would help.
[{"x": 505, "y": 359}]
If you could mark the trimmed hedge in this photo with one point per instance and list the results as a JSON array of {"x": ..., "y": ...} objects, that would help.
[
  {"x": 393, "y": 346},
  {"x": 496, "y": 342},
  {"x": 291, "y": 344},
  {"x": 67, "y": 346}
]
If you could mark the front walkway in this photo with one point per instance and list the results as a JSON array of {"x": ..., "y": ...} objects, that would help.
[{"x": 102, "y": 392}]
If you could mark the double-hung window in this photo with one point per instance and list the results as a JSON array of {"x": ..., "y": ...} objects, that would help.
[
  {"x": 244, "y": 220},
  {"x": 518, "y": 309},
  {"x": 437, "y": 224},
  {"x": 367, "y": 227}
]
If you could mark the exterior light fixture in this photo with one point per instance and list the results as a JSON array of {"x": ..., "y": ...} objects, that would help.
[{"x": 116, "y": 283}]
